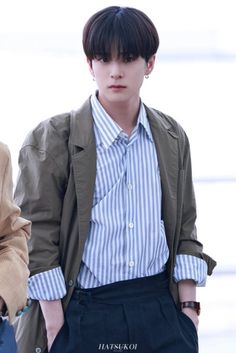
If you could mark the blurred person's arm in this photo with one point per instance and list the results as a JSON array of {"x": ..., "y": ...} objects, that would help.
[{"x": 14, "y": 232}]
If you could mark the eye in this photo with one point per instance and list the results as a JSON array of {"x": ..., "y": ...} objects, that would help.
[
  {"x": 129, "y": 58},
  {"x": 102, "y": 58}
]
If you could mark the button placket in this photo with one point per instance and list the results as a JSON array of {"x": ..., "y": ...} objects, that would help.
[
  {"x": 130, "y": 211},
  {"x": 131, "y": 263}
]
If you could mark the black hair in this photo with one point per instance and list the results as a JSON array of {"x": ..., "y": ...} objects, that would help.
[{"x": 125, "y": 30}]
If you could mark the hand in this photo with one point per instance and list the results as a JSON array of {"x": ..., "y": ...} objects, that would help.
[
  {"x": 54, "y": 318},
  {"x": 192, "y": 315},
  {"x": 52, "y": 332}
]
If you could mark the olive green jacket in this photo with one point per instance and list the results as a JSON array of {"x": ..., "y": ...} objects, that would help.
[{"x": 55, "y": 191}]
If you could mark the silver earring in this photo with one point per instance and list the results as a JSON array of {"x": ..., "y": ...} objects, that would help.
[{"x": 146, "y": 76}]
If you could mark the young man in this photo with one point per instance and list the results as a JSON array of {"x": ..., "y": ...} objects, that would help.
[
  {"x": 109, "y": 191},
  {"x": 14, "y": 232}
]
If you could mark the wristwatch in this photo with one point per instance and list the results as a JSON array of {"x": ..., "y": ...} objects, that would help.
[{"x": 192, "y": 305}]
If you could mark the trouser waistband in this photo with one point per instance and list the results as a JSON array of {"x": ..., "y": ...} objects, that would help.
[{"x": 126, "y": 290}]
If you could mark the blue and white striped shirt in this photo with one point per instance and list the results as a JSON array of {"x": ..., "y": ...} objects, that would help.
[
  {"x": 126, "y": 226},
  {"x": 127, "y": 235}
]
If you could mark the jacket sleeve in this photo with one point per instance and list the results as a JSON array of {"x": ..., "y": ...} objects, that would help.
[
  {"x": 40, "y": 191},
  {"x": 14, "y": 232},
  {"x": 188, "y": 243}
]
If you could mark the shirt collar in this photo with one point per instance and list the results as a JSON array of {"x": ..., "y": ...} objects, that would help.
[
  {"x": 108, "y": 129},
  {"x": 143, "y": 120}
]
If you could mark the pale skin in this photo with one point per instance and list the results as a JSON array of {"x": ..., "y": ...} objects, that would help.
[
  {"x": 119, "y": 84},
  {"x": 187, "y": 292},
  {"x": 54, "y": 318}
]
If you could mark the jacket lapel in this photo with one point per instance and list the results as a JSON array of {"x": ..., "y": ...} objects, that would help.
[
  {"x": 166, "y": 142},
  {"x": 83, "y": 146}
]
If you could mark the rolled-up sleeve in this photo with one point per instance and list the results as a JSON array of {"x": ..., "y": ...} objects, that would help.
[
  {"x": 48, "y": 285},
  {"x": 190, "y": 267}
]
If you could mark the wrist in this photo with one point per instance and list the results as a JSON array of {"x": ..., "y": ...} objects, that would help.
[
  {"x": 191, "y": 305},
  {"x": 53, "y": 314}
]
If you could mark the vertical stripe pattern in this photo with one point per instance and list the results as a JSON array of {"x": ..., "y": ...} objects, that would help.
[{"x": 127, "y": 236}]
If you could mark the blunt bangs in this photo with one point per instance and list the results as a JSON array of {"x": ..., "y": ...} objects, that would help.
[{"x": 121, "y": 30}]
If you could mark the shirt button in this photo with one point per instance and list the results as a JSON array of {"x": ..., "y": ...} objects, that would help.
[
  {"x": 130, "y": 186},
  {"x": 131, "y": 263},
  {"x": 131, "y": 225}
]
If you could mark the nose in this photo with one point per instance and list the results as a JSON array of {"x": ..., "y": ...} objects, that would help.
[
  {"x": 116, "y": 75},
  {"x": 116, "y": 71}
]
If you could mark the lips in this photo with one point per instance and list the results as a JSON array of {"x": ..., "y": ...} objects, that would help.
[{"x": 116, "y": 86}]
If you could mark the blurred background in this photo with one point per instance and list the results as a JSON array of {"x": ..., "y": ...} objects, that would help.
[{"x": 43, "y": 72}]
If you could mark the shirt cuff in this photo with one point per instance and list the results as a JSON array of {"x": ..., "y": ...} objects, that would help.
[
  {"x": 190, "y": 267},
  {"x": 48, "y": 285}
]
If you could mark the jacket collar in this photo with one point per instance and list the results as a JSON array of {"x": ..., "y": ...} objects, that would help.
[
  {"x": 166, "y": 141},
  {"x": 81, "y": 130}
]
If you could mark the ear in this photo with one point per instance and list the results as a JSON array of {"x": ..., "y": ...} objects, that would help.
[{"x": 150, "y": 64}]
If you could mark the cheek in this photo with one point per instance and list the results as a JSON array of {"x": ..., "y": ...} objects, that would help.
[
  {"x": 138, "y": 77},
  {"x": 99, "y": 74},
  {"x": 99, "y": 78},
  {"x": 139, "y": 73}
]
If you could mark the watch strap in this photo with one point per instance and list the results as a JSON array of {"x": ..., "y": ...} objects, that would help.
[{"x": 192, "y": 305}]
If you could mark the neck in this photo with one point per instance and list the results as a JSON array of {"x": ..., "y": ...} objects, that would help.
[{"x": 124, "y": 114}]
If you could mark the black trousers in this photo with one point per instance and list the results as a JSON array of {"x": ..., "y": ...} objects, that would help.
[{"x": 136, "y": 315}]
